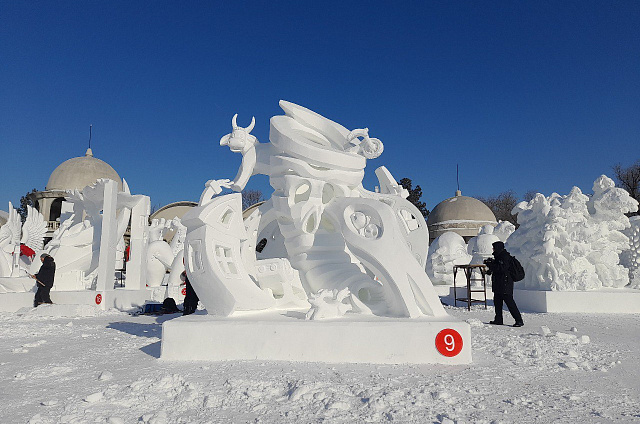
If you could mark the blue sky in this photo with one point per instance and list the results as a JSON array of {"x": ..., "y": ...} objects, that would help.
[{"x": 523, "y": 95}]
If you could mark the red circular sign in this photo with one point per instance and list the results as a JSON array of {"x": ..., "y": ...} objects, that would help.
[
  {"x": 184, "y": 291},
  {"x": 449, "y": 342},
  {"x": 98, "y": 299}
]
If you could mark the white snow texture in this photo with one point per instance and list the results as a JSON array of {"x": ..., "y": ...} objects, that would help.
[{"x": 573, "y": 242}]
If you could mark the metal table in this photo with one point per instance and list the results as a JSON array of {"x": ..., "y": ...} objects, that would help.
[{"x": 468, "y": 272}]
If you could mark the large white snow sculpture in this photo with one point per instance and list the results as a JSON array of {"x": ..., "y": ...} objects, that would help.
[
  {"x": 76, "y": 246},
  {"x": 480, "y": 247},
  {"x": 162, "y": 256},
  {"x": 445, "y": 251},
  {"x": 573, "y": 242},
  {"x": 336, "y": 234},
  {"x": 503, "y": 230}
]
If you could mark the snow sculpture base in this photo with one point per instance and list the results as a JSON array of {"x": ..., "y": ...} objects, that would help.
[
  {"x": 119, "y": 298},
  {"x": 287, "y": 336},
  {"x": 606, "y": 301}
]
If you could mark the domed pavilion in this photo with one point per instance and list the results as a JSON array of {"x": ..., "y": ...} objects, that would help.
[
  {"x": 461, "y": 214},
  {"x": 74, "y": 173}
]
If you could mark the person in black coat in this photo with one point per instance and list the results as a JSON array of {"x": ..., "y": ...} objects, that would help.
[
  {"x": 502, "y": 284},
  {"x": 190, "y": 298},
  {"x": 44, "y": 280}
]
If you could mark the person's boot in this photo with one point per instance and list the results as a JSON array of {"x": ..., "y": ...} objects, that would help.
[
  {"x": 518, "y": 324},
  {"x": 496, "y": 322}
]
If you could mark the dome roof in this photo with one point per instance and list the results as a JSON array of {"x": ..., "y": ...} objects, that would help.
[
  {"x": 77, "y": 173},
  {"x": 460, "y": 209}
]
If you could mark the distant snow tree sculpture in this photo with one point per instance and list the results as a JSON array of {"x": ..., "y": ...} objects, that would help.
[{"x": 573, "y": 242}]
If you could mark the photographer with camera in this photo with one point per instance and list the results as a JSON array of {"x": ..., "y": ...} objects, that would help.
[{"x": 500, "y": 269}]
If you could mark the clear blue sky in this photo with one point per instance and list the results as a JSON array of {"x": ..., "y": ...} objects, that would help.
[{"x": 523, "y": 94}]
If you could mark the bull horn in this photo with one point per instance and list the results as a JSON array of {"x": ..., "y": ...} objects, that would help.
[
  {"x": 234, "y": 124},
  {"x": 251, "y": 125}
]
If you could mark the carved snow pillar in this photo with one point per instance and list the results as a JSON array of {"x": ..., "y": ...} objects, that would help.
[
  {"x": 108, "y": 243},
  {"x": 138, "y": 244}
]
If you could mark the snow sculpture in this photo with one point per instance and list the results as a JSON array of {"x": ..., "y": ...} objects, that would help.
[
  {"x": 77, "y": 245},
  {"x": 503, "y": 230},
  {"x": 573, "y": 242},
  {"x": 630, "y": 258},
  {"x": 328, "y": 304},
  {"x": 20, "y": 242},
  {"x": 445, "y": 251},
  {"x": 332, "y": 231},
  {"x": 161, "y": 256},
  {"x": 480, "y": 247}
]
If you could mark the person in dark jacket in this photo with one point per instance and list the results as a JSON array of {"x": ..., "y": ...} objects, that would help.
[
  {"x": 190, "y": 298},
  {"x": 44, "y": 280},
  {"x": 502, "y": 284}
]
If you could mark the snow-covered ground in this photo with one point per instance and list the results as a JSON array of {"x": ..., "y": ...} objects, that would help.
[{"x": 103, "y": 367}]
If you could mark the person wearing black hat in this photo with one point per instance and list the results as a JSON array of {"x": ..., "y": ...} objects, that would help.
[
  {"x": 502, "y": 284},
  {"x": 44, "y": 280}
]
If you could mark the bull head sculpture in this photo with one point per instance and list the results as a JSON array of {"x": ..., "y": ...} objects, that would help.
[{"x": 240, "y": 139}]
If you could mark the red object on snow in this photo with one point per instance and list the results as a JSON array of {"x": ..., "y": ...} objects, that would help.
[{"x": 27, "y": 251}]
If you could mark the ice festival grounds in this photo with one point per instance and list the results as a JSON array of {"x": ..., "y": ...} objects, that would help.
[{"x": 77, "y": 364}]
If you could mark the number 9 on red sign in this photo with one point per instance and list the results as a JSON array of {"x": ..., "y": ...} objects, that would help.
[{"x": 449, "y": 342}]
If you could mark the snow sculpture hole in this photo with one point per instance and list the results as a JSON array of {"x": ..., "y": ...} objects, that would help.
[
  {"x": 195, "y": 256},
  {"x": 225, "y": 260},
  {"x": 311, "y": 224},
  {"x": 364, "y": 295},
  {"x": 359, "y": 220},
  {"x": 371, "y": 231},
  {"x": 328, "y": 193},
  {"x": 409, "y": 220},
  {"x": 302, "y": 193},
  {"x": 225, "y": 218}
]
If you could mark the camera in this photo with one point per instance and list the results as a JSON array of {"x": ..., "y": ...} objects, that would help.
[{"x": 487, "y": 261}]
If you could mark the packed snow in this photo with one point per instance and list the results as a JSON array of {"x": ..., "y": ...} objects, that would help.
[
  {"x": 574, "y": 242},
  {"x": 77, "y": 364}
]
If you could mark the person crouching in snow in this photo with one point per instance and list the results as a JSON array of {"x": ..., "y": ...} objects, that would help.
[
  {"x": 502, "y": 284},
  {"x": 44, "y": 280}
]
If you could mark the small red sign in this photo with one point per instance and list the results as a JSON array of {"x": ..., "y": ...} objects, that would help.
[
  {"x": 98, "y": 299},
  {"x": 184, "y": 291},
  {"x": 449, "y": 342}
]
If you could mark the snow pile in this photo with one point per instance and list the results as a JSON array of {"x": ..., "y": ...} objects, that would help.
[
  {"x": 573, "y": 242},
  {"x": 548, "y": 351},
  {"x": 630, "y": 258}
]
